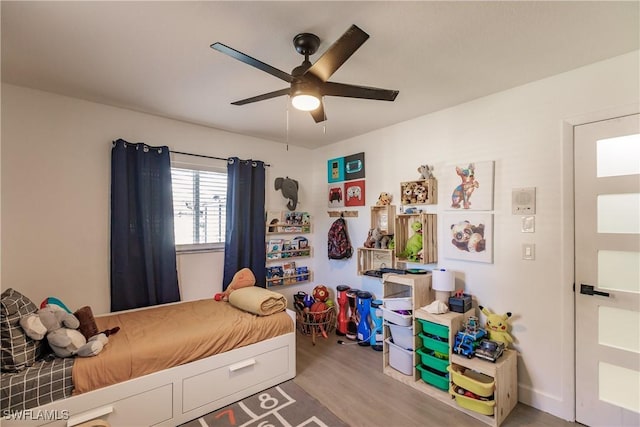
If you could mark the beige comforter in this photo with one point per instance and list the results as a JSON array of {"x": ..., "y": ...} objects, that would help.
[
  {"x": 258, "y": 300},
  {"x": 161, "y": 337}
]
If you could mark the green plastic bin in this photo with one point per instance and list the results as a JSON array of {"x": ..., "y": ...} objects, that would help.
[
  {"x": 436, "y": 379},
  {"x": 429, "y": 359},
  {"x": 434, "y": 329},
  {"x": 434, "y": 343}
]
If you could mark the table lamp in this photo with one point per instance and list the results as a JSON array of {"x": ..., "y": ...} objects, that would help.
[{"x": 443, "y": 282}]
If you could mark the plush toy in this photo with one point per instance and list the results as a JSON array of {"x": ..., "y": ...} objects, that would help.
[
  {"x": 497, "y": 326},
  {"x": 468, "y": 237},
  {"x": 242, "y": 279},
  {"x": 420, "y": 193},
  {"x": 61, "y": 330},
  {"x": 414, "y": 244},
  {"x": 370, "y": 242},
  {"x": 289, "y": 189},
  {"x": 425, "y": 171},
  {"x": 384, "y": 199}
]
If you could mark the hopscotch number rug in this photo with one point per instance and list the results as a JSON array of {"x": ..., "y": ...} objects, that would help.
[{"x": 285, "y": 405}]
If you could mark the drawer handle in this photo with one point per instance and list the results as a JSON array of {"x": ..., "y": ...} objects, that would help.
[
  {"x": 242, "y": 365},
  {"x": 89, "y": 415}
]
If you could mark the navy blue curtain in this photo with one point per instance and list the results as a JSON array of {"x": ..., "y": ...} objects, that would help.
[
  {"x": 143, "y": 252},
  {"x": 245, "y": 233}
]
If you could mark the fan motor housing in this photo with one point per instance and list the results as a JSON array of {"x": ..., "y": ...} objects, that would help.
[{"x": 306, "y": 43}]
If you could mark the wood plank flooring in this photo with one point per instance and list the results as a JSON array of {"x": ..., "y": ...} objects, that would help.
[{"x": 348, "y": 379}]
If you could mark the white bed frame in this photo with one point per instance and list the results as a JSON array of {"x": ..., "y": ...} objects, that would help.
[{"x": 176, "y": 395}]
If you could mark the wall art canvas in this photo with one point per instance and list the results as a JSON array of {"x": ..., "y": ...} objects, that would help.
[
  {"x": 335, "y": 195},
  {"x": 354, "y": 193},
  {"x": 354, "y": 167},
  {"x": 469, "y": 186},
  {"x": 335, "y": 170},
  {"x": 468, "y": 236}
]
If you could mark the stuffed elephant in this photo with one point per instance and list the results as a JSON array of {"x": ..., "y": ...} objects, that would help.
[
  {"x": 289, "y": 189},
  {"x": 61, "y": 330}
]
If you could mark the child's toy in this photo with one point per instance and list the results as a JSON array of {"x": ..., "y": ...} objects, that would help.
[
  {"x": 414, "y": 244},
  {"x": 61, "y": 330},
  {"x": 320, "y": 293},
  {"x": 384, "y": 199},
  {"x": 462, "y": 192},
  {"x": 497, "y": 326},
  {"x": 425, "y": 171},
  {"x": 467, "y": 341},
  {"x": 242, "y": 279},
  {"x": 376, "y": 239},
  {"x": 490, "y": 350},
  {"x": 289, "y": 189},
  {"x": 420, "y": 193}
]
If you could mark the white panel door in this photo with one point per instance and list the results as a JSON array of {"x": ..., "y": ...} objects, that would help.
[{"x": 607, "y": 276}]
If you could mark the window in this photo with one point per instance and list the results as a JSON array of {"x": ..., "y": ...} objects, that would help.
[{"x": 199, "y": 208}]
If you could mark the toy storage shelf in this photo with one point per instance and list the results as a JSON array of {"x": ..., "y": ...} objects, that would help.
[
  {"x": 383, "y": 217},
  {"x": 504, "y": 371},
  {"x": 409, "y": 196},
  {"x": 505, "y": 375},
  {"x": 417, "y": 287},
  {"x": 404, "y": 232},
  {"x": 374, "y": 259}
]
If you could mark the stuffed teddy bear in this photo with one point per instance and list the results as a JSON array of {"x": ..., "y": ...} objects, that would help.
[
  {"x": 61, "y": 330},
  {"x": 242, "y": 279},
  {"x": 497, "y": 326},
  {"x": 384, "y": 199}
]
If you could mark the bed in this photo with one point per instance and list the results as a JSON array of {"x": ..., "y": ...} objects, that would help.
[{"x": 171, "y": 364}]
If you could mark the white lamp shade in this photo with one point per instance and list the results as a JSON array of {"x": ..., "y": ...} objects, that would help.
[{"x": 443, "y": 280}]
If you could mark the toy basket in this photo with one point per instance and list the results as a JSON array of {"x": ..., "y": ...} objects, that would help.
[{"x": 320, "y": 323}]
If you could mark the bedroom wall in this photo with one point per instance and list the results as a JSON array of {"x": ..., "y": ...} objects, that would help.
[
  {"x": 55, "y": 192},
  {"x": 522, "y": 131}
]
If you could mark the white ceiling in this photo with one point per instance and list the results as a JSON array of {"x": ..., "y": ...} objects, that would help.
[{"x": 155, "y": 57}]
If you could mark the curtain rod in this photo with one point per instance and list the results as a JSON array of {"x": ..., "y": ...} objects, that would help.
[{"x": 207, "y": 157}]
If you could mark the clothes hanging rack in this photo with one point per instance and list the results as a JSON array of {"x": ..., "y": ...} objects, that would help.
[{"x": 226, "y": 159}]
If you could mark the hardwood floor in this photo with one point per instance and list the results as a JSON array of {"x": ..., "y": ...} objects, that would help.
[{"x": 348, "y": 379}]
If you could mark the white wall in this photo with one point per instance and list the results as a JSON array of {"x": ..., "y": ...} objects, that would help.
[
  {"x": 56, "y": 188},
  {"x": 55, "y": 200},
  {"x": 522, "y": 131}
]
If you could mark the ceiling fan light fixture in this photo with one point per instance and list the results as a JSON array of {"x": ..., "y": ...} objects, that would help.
[{"x": 305, "y": 102}]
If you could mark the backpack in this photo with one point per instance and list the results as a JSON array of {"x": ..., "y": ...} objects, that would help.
[{"x": 339, "y": 246}]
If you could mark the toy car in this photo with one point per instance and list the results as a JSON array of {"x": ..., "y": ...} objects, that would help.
[
  {"x": 489, "y": 350},
  {"x": 465, "y": 342}
]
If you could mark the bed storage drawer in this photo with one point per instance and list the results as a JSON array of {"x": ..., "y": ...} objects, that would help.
[
  {"x": 143, "y": 409},
  {"x": 217, "y": 383}
]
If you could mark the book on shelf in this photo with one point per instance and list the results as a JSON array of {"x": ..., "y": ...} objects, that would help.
[
  {"x": 274, "y": 248},
  {"x": 274, "y": 275},
  {"x": 289, "y": 269},
  {"x": 273, "y": 220}
]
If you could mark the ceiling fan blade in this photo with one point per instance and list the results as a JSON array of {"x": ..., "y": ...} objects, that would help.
[
  {"x": 252, "y": 61},
  {"x": 338, "y": 53},
  {"x": 318, "y": 114},
  {"x": 263, "y": 97},
  {"x": 353, "y": 91}
]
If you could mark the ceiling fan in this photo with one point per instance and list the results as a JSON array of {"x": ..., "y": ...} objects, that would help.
[{"x": 309, "y": 82}]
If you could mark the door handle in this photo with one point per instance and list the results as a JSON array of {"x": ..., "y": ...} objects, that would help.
[{"x": 590, "y": 290}]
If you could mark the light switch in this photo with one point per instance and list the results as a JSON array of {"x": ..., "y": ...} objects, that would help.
[{"x": 528, "y": 251}]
